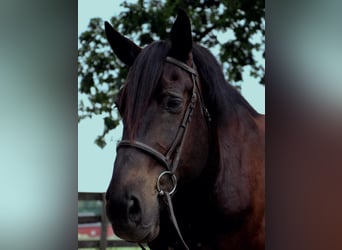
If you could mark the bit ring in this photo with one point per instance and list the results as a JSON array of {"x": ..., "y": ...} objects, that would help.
[{"x": 173, "y": 179}]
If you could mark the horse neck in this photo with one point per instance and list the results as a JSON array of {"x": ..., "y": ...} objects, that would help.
[{"x": 236, "y": 143}]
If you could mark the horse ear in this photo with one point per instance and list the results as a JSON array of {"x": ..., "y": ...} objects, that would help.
[
  {"x": 124, "y": 48},
  {"x": 181, "y": 38}
]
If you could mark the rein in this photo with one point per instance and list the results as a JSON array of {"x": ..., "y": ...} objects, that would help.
[{"x": 171, "y": 159}]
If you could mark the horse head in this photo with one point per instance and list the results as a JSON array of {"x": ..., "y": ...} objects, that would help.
[{"x": 166, "y": 124}]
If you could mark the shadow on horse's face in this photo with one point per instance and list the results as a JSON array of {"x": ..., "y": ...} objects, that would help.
[{"x": 133, "y": 203}]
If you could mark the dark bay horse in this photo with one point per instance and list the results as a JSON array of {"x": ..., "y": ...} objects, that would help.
[{"x": 189, "y": 171}]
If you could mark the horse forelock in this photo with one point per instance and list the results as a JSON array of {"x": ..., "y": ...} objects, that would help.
[{"x": 141, "y": 84}]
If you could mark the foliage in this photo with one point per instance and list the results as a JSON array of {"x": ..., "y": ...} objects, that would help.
[{"x": 101, "y": 74}]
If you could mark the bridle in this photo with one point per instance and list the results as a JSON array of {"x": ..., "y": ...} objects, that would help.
[{"x": 171, "y": 159}]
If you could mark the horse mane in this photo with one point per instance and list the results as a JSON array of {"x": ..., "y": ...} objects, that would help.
[
  {"x": 230, "y": 113},
  {"x": 221, "y": 98}
]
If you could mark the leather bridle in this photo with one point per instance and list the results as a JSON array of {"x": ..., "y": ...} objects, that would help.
[{"x": 171, "y": 159}]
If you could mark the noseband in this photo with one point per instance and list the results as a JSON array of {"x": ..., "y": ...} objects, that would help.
[{"x": 170, "y": 160}]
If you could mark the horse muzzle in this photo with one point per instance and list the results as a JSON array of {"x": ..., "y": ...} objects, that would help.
[{"x": 130, "y": 220}]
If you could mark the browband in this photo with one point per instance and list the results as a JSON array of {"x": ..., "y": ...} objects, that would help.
[{"x": 181, "y": 65}]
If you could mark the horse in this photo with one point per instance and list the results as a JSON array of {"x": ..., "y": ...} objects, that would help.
[{"x": 189, "y": 171}]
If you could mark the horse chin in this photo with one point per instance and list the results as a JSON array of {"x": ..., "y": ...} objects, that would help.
[
  {"x": 151, "y": 235},
  {"x": 140, "y": 234}
]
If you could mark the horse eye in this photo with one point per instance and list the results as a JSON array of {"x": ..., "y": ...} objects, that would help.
[{"x": 173, "y": 104}]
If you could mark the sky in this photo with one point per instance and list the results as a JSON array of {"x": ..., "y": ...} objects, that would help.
[{"x": 95, "y": 165}]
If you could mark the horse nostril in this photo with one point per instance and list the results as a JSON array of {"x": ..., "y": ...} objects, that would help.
[{"x": 134, "y": 211}]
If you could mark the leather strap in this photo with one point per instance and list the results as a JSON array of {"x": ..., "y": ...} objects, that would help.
[
  {"x": 147, "y": 149},
  {"x": 141, "y": 246},
  {"x": 173, "y": 219},
  {"x": 181, "y": 65},
  {"x": 194, "y": 75}
]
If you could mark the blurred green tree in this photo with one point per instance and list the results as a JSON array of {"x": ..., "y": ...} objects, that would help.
[{"x": 101, "y": 74}]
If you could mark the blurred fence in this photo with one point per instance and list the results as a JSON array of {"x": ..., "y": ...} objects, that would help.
[{"x": 103, "y": 242}]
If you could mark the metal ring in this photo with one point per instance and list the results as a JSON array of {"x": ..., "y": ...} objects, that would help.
[{"x": 174, "y": 182}]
